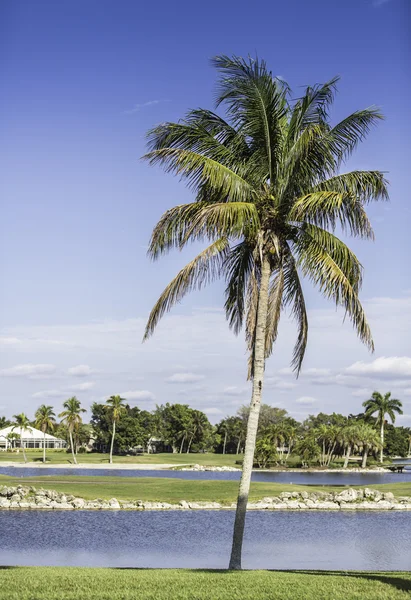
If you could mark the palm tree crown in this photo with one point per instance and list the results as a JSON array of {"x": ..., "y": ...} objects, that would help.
[
  {"x": 116, "y": 407},
  {"x": 44, "y": 417},
  {"x": 72, "y": 413},
  {"x": 268, "y": 190},
  {"x": 22, "y": 422},
  {"x": 382, "y": 405}
]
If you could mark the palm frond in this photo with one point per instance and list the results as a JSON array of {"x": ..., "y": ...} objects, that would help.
[
  {"x": 326, "y": 208},
  {"x": 275, "y": 300},
  {"x": 200, "y": 271},
  {"x": 318, "y": 265},
  {"x": 228, "y": 219},
  {"x": 352, "y": 130},
  {"x": 201, "y": 170},
  {"x": 361, "y": 185},
  {"x": 237, "y": 265},
  {"x": 293, "y": 297}
]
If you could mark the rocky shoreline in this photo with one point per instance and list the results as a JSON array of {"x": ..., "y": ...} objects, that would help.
[
  {"x": 24, "y": 497},
  {"x": 376, "y": 470}
]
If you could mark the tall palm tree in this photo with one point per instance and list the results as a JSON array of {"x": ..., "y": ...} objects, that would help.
[
  {"x": 382, "y": 406},
  {"x": 116, "y": 410},
  {"x": 72, "y": 418},
  {"x": 22, "y": 422},
  {"x": 44, "y": 420},
  {"x": 269, "y": 193}
]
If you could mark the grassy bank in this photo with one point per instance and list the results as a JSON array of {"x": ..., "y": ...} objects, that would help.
[
  {"x": 59, "y": 457},
  {"x": 54, "y": 583},
  {"x": 159, "y": 489}
]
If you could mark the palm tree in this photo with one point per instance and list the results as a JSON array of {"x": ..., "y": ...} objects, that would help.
[
  {"x": 116, "y": 409},
  {"x": 44, "y": 420},
  {"x": 268, "y": 191},
  {"x": 383, "y": 406},
  {"x": 350, "y": 436},
  {"x": 72, "y": 418},
  {"x": 368, "y": 439},
  {"x": 21, "y": 422}
]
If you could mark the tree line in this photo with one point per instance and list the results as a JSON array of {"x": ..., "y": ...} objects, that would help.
[{"x": 118, "y": 428}]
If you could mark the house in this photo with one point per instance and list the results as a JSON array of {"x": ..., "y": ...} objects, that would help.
[{"x": 30, "y": 438}]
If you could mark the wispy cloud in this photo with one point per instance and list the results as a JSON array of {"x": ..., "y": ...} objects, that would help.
[
  {"x": 184, "y": 378},
  {"x": 138, "y": 107},
  {"x": 377, "y": 3}
]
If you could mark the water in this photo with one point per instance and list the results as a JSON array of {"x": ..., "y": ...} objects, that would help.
[
  {"x": 298, "y": 478},
  {"x": 201, "y": 539}
]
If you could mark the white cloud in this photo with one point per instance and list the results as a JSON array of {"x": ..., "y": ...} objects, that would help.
[
  {"x": 213, "y": 411},
  {"x": 29, "y": 370},
  {"x": 50, "y": 394},
  {"x": 138, "y": 107},
  {"x": 306, "y": 400},
  {"x": 184, "y": 378},
  {"x": 390, "y": 367},
  {"x": 82, "y": 387},
  {"x": 138, "y": 395},
  {"x": 279, "y": 384},
  {"x": 363, "y": 393},
  {"x": 234, "y": 390},
  {"x": 80, "y": 371}
]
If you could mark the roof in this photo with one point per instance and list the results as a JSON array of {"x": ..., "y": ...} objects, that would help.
[{"x": 30, "y": 433}]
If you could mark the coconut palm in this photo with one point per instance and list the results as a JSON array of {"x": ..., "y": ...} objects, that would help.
[
  {"x": 116, "y": 410},
  {"x": 44, "y": 420},
  {"x": 269, "y": 193},
  {"x": 72, "y": 418},
  {"x": 382, "y": 406},
  {"x": 368, "y": 439},
  {"x": 21, "y": 422}
]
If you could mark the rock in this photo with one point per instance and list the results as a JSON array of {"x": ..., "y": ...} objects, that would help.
[
  {"x": 292, "y": 504},
  {"x": 78, "y": 503},
  {"x": 4, "y": 502},
  {"x": 285, "y": 495},
  {"x": 25, "y": 505},
  {"x": 295, "y": 494},
  {"x": 66, "y": 506},
  {"x": 16, "y": 498},
  {"x": 346, "y": 496},
  {"x": 305, "y": 495},
  {"x": 389, "y": 496},
  {"x": 401, "y": 506},
  {"x": 184, "y": 504},
  {"x": 327, "y": 505},
  {"x": 369, "y": 494},
  {"x": 280, "y": 506},
  {"x": 268, "y": 500},
  {"x": 114, "y": 503}
]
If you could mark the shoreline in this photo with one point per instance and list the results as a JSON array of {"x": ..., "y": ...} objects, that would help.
[
  {"x": 188, "y": 467},
  {"x": 22, "y": 497}
]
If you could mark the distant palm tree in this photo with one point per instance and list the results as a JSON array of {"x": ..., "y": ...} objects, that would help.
[
  {"x": 21, "y": 422},
  {"x": 4, "y": 422},
  {"x": 116, "y": 410},
  {"x": 44, "y": 420},
  {"x": 269, "y": 194},
  {"x": 350, "y": 440},
  {"x": 383, "y": 406},
  {"x": 368, "y": 439},
  {"x": 72, "y": 418}
]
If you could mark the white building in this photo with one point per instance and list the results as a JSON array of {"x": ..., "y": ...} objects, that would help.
[{"x": 30, "y": 437}]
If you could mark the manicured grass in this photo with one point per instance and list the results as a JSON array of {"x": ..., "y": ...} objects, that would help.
[
  {"x": 163, "y": 489},
  {"x": 54, "y": 457},
  {"x": 55, "y": 583}
]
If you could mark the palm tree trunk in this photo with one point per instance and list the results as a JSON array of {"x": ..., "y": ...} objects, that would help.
[
  {"x": 225, "y": 442},
  {"x": 72, "y": 447},
  {"x": 22, "y": 446},
  {"x": 252, "y": 425},
  {"x": 238, "y": 446},
  {"x": 364, "y": 457},
  {"x": 112, "y": 442},
  {"x": 347, "y": 457},
  {"x": 382, "y": 442},
  {"x": 189, "y": 444},
  {"x": 44, "y": 446},
  {"x": 182, "y": 444}
]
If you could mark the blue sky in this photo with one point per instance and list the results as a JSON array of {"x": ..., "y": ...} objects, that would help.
[{"x": 82, "y": 83}]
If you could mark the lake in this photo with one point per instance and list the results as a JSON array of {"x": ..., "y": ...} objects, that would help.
[
  {"x": 280, "y": 540},
  {"x": 302, "y": 478}
]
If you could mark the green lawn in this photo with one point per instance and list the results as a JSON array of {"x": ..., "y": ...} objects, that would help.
[
  {"x": 163, "y": 489},
  {"x": 58, "y": 457},
  {"x": 55, "y": 583}
]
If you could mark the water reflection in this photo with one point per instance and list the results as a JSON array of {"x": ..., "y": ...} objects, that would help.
[{"x": 280, "y": 540}]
